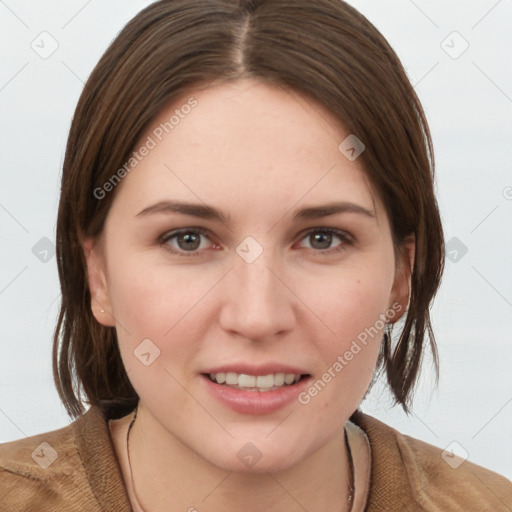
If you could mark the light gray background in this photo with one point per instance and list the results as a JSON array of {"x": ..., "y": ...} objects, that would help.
[{"x": 468, "y": 100}]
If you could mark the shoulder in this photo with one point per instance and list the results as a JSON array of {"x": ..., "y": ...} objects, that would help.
[
  {"x": 55, "y": 470},
  {"x": 442, "y": 478},
  {"x": 419, "y": 476},
  {"x": 33, "y": 468}
]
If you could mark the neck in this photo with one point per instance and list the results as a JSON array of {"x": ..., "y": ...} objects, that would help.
[{"x": 318, "y": 483}]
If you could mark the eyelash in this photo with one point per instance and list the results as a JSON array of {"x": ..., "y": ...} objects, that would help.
[{"x": 343, "y": 235}]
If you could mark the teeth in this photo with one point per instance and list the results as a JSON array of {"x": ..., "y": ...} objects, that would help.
[
  {"x": 231, "y": 378},
  {"x": 289, "y": 378},
  {"x": 247, "y": 381},
  {"x": 278, "y": 379},
  {"x": 264, "y": 381},
  {"x": 260, "y": 382}
]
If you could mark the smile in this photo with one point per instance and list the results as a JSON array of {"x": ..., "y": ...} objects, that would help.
[
  {"x": 248, "y": 394},
  {"x": 245, "y": 382}
]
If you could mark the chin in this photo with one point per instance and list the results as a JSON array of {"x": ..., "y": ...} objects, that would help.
[
  {"x": 271, "y": 464},
  {"x": 258, "y": 457}
]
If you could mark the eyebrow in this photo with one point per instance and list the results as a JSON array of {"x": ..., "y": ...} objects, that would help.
[{"x": 204, "y": 211}]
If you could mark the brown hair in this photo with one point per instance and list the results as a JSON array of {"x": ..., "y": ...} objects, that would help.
[{"x": 325, "y": 50}]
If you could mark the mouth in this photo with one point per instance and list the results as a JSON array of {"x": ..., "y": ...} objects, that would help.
[
  {"x": 262, "y": 383},
  {"x": 255, "y": 389}
]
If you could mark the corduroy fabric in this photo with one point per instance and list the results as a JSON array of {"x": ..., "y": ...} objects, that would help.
[
  {"x": 406, "y": 475},
  {"x": 411, "y": 475}
]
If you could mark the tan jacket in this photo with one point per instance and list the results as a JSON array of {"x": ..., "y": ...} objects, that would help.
[{"x": 82, "y": 473}]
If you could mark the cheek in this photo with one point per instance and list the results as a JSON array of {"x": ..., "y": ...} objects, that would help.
[
  {"x": 150, "y": 298},
  {"x": 351, "y": 300},
  {"x": 156, "y": 303},
  {"x": 354, "y": 309}
]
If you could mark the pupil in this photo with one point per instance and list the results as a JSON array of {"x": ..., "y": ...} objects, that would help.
[
  {"x": 326, "y": 240},
  {"x": 187, "y": 238}
]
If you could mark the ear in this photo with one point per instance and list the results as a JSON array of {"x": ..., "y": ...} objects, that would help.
[
  {"x": 401, "y": 291},
  {"x": 98, "y": 285}
]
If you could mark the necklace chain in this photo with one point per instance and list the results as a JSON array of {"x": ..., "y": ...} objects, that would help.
[
  {"x": 350, "y": 463},
  {"x": 129, "y": 462}
]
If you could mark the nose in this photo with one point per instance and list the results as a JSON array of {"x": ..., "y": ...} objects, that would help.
[{"x": 258, "y": 302}]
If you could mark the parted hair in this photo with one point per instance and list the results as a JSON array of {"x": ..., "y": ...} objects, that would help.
[{"x": 323, "y": 49}]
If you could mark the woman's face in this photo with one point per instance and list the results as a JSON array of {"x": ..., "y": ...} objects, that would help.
[{"x": 281, "y": 263}]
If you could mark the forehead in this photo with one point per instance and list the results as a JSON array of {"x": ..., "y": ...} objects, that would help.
[{"x": 246, "y": 144}]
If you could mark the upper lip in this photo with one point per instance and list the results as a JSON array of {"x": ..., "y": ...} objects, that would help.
[{"x": 256, "y": 370}]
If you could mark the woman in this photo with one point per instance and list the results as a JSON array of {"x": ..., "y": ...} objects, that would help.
[{"x": 283, "y": 142}]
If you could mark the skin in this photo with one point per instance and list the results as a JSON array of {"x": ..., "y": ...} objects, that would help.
[{"x": 259, "y": 153}]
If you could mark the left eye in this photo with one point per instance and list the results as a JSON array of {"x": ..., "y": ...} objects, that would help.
[{"x": 321, "y": 239}]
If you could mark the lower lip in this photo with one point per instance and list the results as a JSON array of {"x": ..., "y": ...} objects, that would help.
[{"x": 255, "y": 402}]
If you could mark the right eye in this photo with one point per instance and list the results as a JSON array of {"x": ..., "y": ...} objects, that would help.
[{"x": 184, "y": 242}]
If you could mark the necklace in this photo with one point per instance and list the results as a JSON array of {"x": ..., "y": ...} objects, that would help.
[
  {"x": 351, "y": 488},
  {"x": 129, "y": 462}
]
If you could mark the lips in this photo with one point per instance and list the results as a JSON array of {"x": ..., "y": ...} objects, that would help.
[{"x": 256, "y": 390}]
